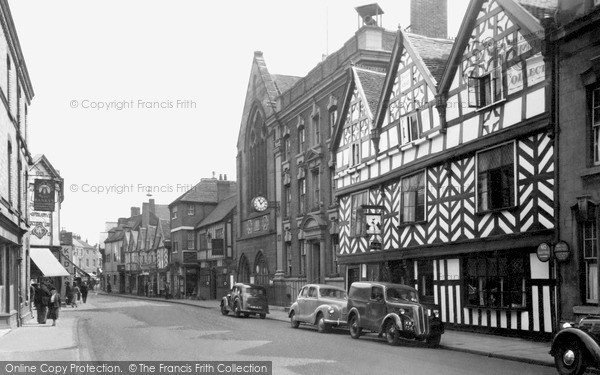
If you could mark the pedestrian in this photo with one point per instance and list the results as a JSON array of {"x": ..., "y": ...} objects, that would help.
[
  {"x": 146, "y": 287},
  {"x": 74, "y": 294},
  {"x": 108, "y": 288},
  {"x": 84, "y": 292},
  {"x": 68, "y": 293},
  {"x": 41, "y": 299},
  {"x": 54, "y": 306}
]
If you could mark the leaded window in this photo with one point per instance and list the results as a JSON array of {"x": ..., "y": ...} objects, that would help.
[
  {"x": 357, "y": 218},
  {"x": 496, "y": 178},
  {"x": 413, "y": 198}
]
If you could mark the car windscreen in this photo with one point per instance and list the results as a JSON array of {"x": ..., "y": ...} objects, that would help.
[
  {"x": 333, "y": 293},
  {"x": 401, "y": 294},
  {"x": 256, "y": 292}
]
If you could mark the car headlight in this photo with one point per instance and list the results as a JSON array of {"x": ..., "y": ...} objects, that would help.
[
  {"x": 436, "y": 313},
  {"x": 331, "y": 310},
  {"x": 566, "y": 325}
]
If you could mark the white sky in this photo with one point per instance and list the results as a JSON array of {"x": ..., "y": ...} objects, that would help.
[{"x": 81, "y": 52}]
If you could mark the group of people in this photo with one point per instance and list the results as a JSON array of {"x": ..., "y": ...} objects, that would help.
[{"x": 47, "y": 300}]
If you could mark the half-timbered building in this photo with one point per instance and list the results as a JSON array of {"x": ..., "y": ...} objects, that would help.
[{"x": 451, "y": 187}]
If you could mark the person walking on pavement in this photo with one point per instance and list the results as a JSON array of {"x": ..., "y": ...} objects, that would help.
[
  {"x": 108, "y": 288},
  {"x": 54, "y": 306},
  {"x": 68, "y": 293},
  {"x": 74, "y": 294},
  {"x": 41, "y": 299},
  {"x": 146, "y": 287},
  {"x": 84, "y": 292}
]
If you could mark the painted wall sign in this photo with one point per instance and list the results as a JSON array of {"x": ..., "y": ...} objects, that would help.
[{"x": 43, "y": 195}]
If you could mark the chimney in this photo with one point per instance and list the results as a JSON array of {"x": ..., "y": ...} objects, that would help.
[
  {"x": 135, "y": 211},
  {"x": 151, "y": 208},
  {"x": 225, "y": 177},
  {"x": 429, "y": 18}
]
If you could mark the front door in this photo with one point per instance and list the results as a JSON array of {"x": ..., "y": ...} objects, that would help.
[
  {"x": 353, "y": 275},
  {"x": 316, "y": 263}
]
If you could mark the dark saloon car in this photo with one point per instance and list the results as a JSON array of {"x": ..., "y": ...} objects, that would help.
[
  {"x": 246, "y": 299},
  {"x": 320, "y": 305},
  {"x": 577, "y": 346},
  {"x": 392, "y": 310}
]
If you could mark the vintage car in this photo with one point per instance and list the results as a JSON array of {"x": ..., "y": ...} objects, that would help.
[
  {"x": 576, "y": 346},
  {"x": 246, "y": 299},
  {"x": 320, "y": 305},
  {"x": 392, "y": 310}
]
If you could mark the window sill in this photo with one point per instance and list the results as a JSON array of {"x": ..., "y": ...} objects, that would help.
[
  {"x": 590, "y": 172},
  {"x": 523, "y": 308},
  {"x": 490, "y": 106},
  {"x": 408, "y": 224},
  {"x": 497, "y": 210}
]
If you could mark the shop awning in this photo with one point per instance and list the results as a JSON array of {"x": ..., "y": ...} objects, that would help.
[{"x": 47, "y": 262}]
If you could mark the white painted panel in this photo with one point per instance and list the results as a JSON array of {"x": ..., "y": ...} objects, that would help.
[
  {"x": 383, "y": 141},
  {"x": 442, "y": 270},
  {"x": 535, "y": 103},
  {"x": 452, "y": 108},
  {"x": 503, "y": 320},
  {"x": 458, "y": 308},
  {"x": 409, "y": 155},
  {"x": 443, "y": 302},
  {"x": 364, "y": 174},
  {"x": 363, "y": 271},
  {"x": 452, "y": 136},
  {"x": 453, "y": 269},
  {"x": 396, "y": 161},
  {"x": 451, "y": 318},
  {"x": 425, "y": 120},
  {"x": 393, "y": 132},
  {"x": 539, "y": 270},
  {"x": 470, "y": 129},
  {"x": 514, "y": 79},
  {"x": 437, "y": 144},
  {"x": 525, "y": 320},
  {"x": 436, "y": 118},
  {"x": 384, "y": 166},
  {"x": 374, "y": 170},
  {"x": 547, "y": 310},
  {"x": 365, "y": 149},
  {"x": 466, "y": 315},
  {"x": 512, "y": 112},
  {"x": 423, "y": 149},
  {"x": 513, "y": 320},
  {"x": 536, "y": 311},
  {"x": 493, "y": 319},
  {"x": 536, "y": 70},
  {"x": 475, "y": 317}
]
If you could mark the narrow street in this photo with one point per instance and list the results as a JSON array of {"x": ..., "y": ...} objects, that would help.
[{"x": 115, "y": 328}]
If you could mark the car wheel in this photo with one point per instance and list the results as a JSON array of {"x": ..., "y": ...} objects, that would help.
[
  {"x": 262, "y": 316},
  {"x": 246, "y": 315},
  {"x": 433, "y": 341},
  {"x": 392, "y": 333},
  {"x": 236, "y": 310},
  {"x": 355, "y": 330},
  {"x": 322, "y": 327},
  {"x": 224, "y": 310},
  {"x": 569, "y": 358},
  {"x": 293, "y": 321}
]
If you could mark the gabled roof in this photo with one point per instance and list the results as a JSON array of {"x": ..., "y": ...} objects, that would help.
[
  {"x": 204, "y": 191},
  {"x": 521, "y": 12},
  {"x": 223, "y": 209},
  {"x": 540, "y": 9},
  {"x": 433, "y": 52},
  {"x": 283, "y": 83},
  {"x": 370, "y": 83}
]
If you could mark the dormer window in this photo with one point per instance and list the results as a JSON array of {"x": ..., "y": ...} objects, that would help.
[
  {"x": 409, "y": 128},
  {"x": 486, "y": 89}
]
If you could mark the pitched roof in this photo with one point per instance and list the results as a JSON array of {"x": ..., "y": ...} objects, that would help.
[
  {"x": 540, "y": 9},
  {"x": 204, "y": 191},
  {"x": 283, "y": 82},
  {"x": 371, "y": 82},
  {"x": 434, "y": 52},
  {"x": 220, "y": 212}
]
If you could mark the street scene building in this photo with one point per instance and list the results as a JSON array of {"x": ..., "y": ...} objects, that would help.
[{"x": 15, "y": 159}]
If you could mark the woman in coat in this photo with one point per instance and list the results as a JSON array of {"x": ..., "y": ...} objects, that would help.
[
  {"x": 41, "y": 299},
  {"x": 54, "y": 306}
]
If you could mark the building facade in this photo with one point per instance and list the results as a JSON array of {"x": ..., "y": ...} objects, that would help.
[
  {"x": 574, "y": 42},
  {"x": 450, "y": 187},
  {"x": 16, "y": 92},
  {"x": 186, "y": 212}
]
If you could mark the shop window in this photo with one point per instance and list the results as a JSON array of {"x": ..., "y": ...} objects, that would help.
[
  {"x": 590, "y": 256},
  {"x": 496, "y": 178},
  {"x": 496, "y": 281}
]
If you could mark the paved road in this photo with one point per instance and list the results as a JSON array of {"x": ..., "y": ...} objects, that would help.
[{"x": 113, "y": 328}]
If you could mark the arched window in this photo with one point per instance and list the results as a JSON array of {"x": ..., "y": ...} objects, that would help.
[
  {"x": 243, "y": 270},
  {"x": 261, "y": 269},
  {"x": 257, "y": 156}
]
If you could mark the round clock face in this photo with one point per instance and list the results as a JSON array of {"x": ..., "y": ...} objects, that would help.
[{"x": 260, "y": 203}]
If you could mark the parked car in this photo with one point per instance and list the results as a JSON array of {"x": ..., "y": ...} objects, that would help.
[
  {"x": 577, "y": 346},
  {"x": 246, "y": 299},
  {"x": 392, "y": 310},
  {"x": 320, "y": 305}
]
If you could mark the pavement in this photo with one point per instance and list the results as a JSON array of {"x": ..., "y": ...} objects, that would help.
[{"x": 33, "y": 341}]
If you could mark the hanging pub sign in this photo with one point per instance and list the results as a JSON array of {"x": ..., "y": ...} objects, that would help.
[
  {"x": 43, "y": 195},
  {"x": 562, "y": 251},
  {"x": 373, "y": 218},
  {"x": 544, "y": 252}
]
